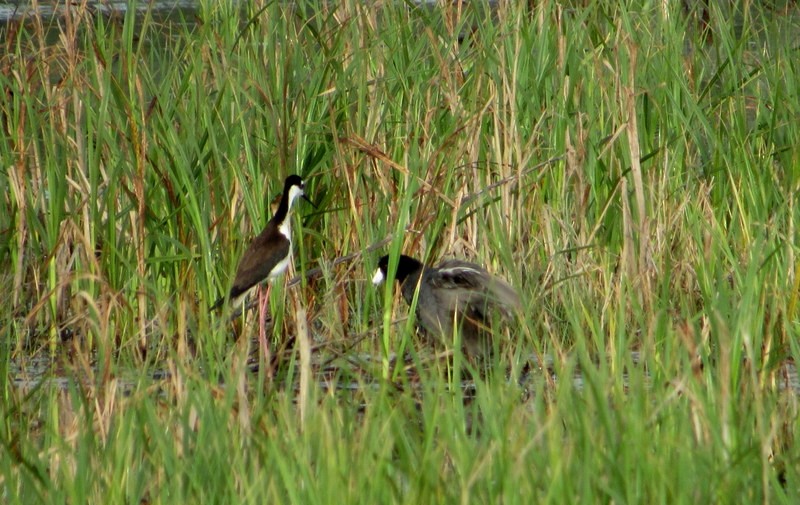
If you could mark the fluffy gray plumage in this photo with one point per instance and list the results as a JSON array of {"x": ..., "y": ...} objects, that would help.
[{"x": 454, "y": 292}]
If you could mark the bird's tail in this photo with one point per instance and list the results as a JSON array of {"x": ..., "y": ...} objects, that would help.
[
  {"x": 217, "y": 304},
  {"x": 503, "y": 294}
]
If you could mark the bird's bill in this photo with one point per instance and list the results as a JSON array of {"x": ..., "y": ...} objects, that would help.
[
  {"x": 308, "y": 200},
  {"x": 378, "y": 278}
]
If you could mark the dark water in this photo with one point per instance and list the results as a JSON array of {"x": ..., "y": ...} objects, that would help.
[
  {"x": 31, "y": 373},
  {"x": 163, "y": 10},
  {"x": 20, "y": 11}
]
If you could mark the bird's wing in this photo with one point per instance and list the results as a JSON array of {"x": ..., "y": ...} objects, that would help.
[
  {"x": 474, "y": 285},
  {"x": 456, "y": 274},
  {"x": 257, "y": 262}
]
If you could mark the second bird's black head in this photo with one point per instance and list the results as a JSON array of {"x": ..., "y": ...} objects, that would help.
[{"x": 406, "y": 266}]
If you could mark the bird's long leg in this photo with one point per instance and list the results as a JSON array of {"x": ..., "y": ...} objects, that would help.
[{"x": 264, "y": 356}]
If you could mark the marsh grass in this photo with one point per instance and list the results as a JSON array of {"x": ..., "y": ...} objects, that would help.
[{"x": 630, "y": 169}]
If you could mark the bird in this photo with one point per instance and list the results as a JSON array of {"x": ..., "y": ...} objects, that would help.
[
  {"x": 268, "y": 255},
  {"x": 454, "y": 291}
]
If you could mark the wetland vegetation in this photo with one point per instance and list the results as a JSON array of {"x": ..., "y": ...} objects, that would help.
[{"x": 628, "y": 167}]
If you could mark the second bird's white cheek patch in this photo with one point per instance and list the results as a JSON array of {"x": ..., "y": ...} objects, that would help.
[{"x": 378, "y": 278}]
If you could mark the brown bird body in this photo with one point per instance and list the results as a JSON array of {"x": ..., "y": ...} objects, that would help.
[{"x": 269, "y": 254}]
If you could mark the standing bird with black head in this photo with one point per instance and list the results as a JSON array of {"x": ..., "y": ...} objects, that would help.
[
  {"x": 453, "y": 293},
  {"x": 269, "y": 254}
]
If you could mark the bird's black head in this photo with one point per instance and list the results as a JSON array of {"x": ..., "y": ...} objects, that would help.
[
  {"x": 406, "y": 266},
  {"x": 293, "y": 187},
  {"x": 293, "y": 180}
]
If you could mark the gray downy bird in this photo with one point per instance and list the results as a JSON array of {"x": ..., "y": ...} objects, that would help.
[{"x": 453, "y": 292}]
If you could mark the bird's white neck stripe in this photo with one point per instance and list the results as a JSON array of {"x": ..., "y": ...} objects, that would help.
[
  {"x": 294, "y": 192},
  {"x": 285, "y": 228}
]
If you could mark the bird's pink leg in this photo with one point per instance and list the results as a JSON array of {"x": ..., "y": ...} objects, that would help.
[{"x": 263, "y": 343}]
